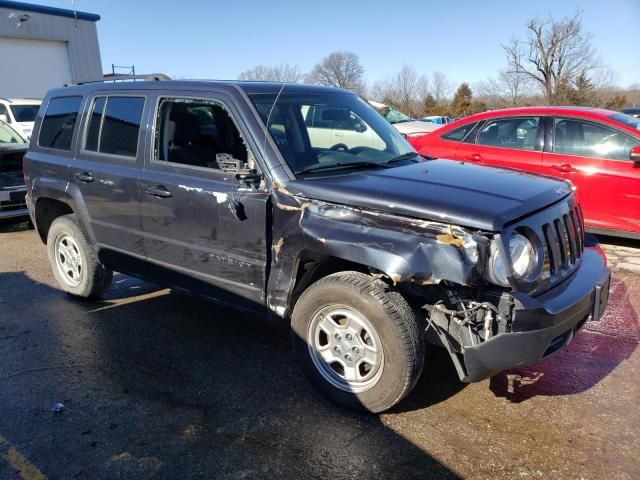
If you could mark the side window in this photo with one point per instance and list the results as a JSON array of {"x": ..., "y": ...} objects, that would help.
[
  {"x": 585, "y": 139},
  {"x": 5, "y": 112},
  {"x": 518, "y": 132},
  {"x": 458, "y": 134},
  {"x": 199, "y": 133},
  {"x": 58, "y": 123},
  {"x": 114, "y": 125}
]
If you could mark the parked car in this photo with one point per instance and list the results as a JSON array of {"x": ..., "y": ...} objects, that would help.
[
  {"x": 406, "y": 125},
  {"x": 597, "y": 150},
  {"x": 632, "y": 111},
  {"x": 437, "y": 119},
  {"x": 12, "y": 189},
  {"x": 20, "y": 113},
  {"x": 368, "y": 251}
]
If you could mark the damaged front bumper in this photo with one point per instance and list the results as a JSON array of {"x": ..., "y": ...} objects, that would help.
[{"x": 540, "y": 325}]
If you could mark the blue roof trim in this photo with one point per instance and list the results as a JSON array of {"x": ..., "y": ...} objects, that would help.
[{"x": 60, "y": 12}]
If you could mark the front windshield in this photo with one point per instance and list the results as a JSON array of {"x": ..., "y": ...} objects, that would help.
[
  {"x": 396, "y": 116},
  {"x": 326, "y": 131},
  {"x": 24, "y": 113},
  {"x": 627, "y": 120},
  {"x": 9, "y": 135}
]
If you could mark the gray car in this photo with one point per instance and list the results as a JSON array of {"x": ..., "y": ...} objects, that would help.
[{"x": 370, "y": 253}]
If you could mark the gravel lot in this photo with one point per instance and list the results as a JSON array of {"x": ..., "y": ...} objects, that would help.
[{"x": 159, "y": 385}]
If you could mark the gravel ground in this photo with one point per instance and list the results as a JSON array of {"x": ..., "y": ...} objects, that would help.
[{"x": 158, "y": 385}]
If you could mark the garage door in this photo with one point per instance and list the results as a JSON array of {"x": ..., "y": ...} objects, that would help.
[{"x": 31, "y": 67}]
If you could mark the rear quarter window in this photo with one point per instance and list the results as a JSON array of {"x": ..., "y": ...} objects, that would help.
[{"x": 59, "y": 122}]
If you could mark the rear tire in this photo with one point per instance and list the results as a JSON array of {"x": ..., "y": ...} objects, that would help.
[
  {"x": 74, "y": 263},
  {"x": 358, "y": 341}
]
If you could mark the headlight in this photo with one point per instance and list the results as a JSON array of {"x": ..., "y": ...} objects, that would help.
[
  {"x": 524, "y": 259},
  {"x": 523, "y": 256}
]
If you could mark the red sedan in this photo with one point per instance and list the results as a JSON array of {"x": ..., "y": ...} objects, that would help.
[{"x": 598, "y": 150}]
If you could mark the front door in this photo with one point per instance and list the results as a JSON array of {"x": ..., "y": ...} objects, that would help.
[
  {"x": 596, "y": 159},
  {"x": 204, "y": 230}
]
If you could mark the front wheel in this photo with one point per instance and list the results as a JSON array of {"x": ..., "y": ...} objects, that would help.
[{"x": 358, "y": 341}]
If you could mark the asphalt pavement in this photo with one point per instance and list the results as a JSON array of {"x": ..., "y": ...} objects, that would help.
[{"x": 147, "y": 383}]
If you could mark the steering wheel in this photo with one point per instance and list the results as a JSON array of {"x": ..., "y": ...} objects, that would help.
[{"x": 340, "y": 147}]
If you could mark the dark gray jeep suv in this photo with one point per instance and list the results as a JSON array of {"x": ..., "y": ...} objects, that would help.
[{"x": 304, "y": 203}]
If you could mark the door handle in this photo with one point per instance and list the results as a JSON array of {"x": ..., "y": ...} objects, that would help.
[
  {"x": 159, "y": 191},
  {"x": 85, "y": 177},
  {"x": 474, "y": 157},
  {"x": 564, "y": 167},
  {"x": 338, "y": 134}
]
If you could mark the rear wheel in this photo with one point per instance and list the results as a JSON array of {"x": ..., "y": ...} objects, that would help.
[
  {"x": 358, "y": 341},
  {"x": 74, "y": 263}
]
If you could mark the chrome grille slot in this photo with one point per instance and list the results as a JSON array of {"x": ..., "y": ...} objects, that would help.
[
  {"x": 553, "y": 248},
  {"x": 571, "y": 234},
  {"x": 563, "y": 241},
  {"x": 577, "y": 228}
]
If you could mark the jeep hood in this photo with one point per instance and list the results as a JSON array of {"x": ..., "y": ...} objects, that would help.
[{"x": 453, "y": 192}]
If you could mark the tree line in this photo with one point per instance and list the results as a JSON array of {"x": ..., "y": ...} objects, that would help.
[{"x": 553, "y": 63}]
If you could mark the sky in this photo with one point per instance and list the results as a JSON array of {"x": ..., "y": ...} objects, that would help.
[{"x": 461, "y": 38}]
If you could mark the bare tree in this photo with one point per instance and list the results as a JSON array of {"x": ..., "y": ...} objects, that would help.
[
  {"x": 509, "y": 89},
  {"x": 405, "y": 90},
  {"x": 339, "y": 69},
  {"x": 441, "y": 87},
  {"x": 278, "y": 73},
  {"x": 553, "y": 54}
]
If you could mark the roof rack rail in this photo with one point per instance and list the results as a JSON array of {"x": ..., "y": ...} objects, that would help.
[{"x": 156, "y": 77}]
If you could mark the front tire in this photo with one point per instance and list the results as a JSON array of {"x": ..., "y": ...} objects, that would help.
[
  {"x": 358, "y": 341},
  {"x": 74, "y": 263}
]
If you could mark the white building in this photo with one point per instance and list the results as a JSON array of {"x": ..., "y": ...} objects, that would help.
[{"x": 44, "y": 47}]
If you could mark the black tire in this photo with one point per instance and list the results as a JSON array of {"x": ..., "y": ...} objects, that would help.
[
  {"x": 395, "y": 324},
  {"x": 94, "y": 278}
]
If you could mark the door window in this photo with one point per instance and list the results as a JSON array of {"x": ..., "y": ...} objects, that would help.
[
  {"x": 460, "y": 133},
  {"x": 586, "y": 139},
  {"x": 58, "y": 123},
  {"x": 114, "y": 125},
  {"x": 199, "y": 133},
  {"x": 517, "y": 133}
]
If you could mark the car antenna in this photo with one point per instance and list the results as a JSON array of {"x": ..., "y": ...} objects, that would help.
[{"x": 266, "y": 133}]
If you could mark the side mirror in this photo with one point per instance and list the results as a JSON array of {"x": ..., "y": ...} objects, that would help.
[
  {"x": 4, "y": 118},
  {"x": 635, "y": 156},
  {"x": 359, "y": 127}
]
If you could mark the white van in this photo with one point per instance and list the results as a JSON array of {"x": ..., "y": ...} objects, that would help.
[{"x": 20, "y": 114}]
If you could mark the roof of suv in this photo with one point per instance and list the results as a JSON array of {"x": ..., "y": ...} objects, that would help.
[{"x": 249, "y": 87}]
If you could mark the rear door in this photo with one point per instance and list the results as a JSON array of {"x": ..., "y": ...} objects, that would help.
[
  {"x": 596, "y": 159},
  {"x": 204, "y": 230},
  {"x": 510, "y": 142},
  {"x": 106, "y": 168}
]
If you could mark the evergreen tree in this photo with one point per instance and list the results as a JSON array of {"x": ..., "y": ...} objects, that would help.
[
  {"x": 461, "y": 104},
  {"x": 584, "y": 91}
]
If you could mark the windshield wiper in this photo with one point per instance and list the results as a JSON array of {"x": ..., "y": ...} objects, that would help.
[
  {"x": 320, "y": 168},
  {"x": 404, "y": 156}
]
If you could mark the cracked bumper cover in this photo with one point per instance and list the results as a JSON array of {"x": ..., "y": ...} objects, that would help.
[{"x": 544, "y": 324}]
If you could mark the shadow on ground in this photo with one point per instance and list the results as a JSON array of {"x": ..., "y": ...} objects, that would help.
[
  {"x": 595, "y": 352},
  {"x": 161, "y": 385}
]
